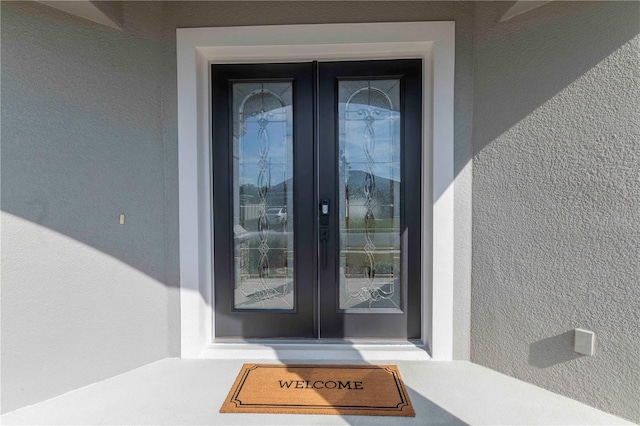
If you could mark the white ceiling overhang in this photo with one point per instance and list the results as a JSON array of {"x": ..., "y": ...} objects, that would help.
[
  {"x": 521, "y": 7},
  {"x": 104, "y": 13}
]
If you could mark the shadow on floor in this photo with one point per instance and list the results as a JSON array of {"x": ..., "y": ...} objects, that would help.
[{"x": 427, "y": 412}]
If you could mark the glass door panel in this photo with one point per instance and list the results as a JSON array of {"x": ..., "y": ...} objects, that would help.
[
  {"x": 263, "y": 195},
  {"x": 369, "y": 194}
]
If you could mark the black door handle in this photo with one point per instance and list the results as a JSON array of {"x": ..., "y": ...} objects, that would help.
[{"x": 324, "y": 238}]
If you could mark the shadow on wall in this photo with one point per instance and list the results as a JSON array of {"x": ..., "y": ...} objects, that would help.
[
  {"x": 82, "y": 143},
  {"x": 552, "y": 350},
  {"x": 522, "y": 63},
  {"x": 99, "y": 110},
  {"x": 82, "y": 134}
]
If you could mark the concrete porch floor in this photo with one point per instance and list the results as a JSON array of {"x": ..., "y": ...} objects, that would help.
[{"x": 189, "y": 392}]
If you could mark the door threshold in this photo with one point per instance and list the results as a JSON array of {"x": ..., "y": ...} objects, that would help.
[{"x": 316, "y": 350}]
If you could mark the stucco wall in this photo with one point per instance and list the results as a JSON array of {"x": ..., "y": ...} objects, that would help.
[
  {"x": 556, "y": 198},
  {"x": 83, "y": 298}
]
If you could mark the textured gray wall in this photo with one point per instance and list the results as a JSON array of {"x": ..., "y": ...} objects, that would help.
[
  {"x": 83, "y": 298},
  {"x": 556, "y": 198}
]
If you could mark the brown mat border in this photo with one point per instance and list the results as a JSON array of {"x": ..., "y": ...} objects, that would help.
[{"x": 233, "y": 405}]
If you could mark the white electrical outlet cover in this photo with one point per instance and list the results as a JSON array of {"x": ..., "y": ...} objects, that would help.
[{"x": 584, "y": 342}]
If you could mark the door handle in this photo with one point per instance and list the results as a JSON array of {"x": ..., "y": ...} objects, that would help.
[{"x": 324, "y": 238}]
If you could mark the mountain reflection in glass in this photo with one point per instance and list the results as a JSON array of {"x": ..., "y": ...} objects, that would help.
[
  {"x": 263, "y": 195},
  {"x": 369, "y": 191}
]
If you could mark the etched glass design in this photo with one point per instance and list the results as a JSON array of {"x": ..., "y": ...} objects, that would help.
[
  {"x": 369, "y": 191},
  {"x": 263, "y": 212}
]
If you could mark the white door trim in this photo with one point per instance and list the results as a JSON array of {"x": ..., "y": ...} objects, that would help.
[{"x": 197, "y": 48}]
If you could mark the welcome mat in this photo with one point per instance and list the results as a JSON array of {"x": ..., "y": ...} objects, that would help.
[{"x": 368, "y": 390}]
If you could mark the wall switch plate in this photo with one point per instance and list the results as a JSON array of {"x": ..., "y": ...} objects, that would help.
[
  {"x": 585, "y": 342},
  {"x": 121, "y": 218}
]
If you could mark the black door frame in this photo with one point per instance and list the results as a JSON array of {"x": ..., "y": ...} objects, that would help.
[{"x": 302, "y": 322}]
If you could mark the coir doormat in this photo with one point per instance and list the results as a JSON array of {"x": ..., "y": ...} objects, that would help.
[{"x": 369, "y": 390}]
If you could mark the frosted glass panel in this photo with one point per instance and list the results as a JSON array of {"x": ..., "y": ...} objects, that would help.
[
  {"x": 263, "y": 212},
  {"x": 369, "y": 194}
]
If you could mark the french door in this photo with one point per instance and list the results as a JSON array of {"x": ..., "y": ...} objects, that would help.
[{"x": 317, "y": 199}]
